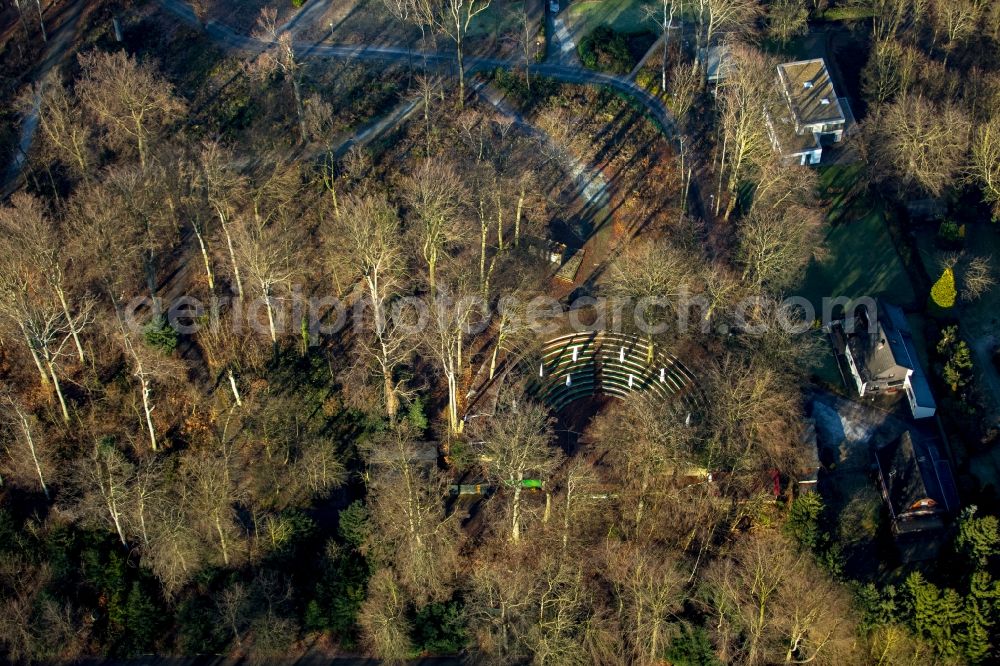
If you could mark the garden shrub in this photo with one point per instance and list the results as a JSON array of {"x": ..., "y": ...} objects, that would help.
[
  {"x": 417, "y": 416},
  {"x": 439, "y": 628},
  {"x": 957, "y": 370},
  {"x": 803, "y": 520},
  {"x": 943, "y": 293},
  {"x": 607, "y": 50},
  {"x": 951, "y": 235},
  {"x": 159, "y": 334},
  {"x": 691, "y": 647},
  {"x": 515, "y": 86},
  {"x": 648, "y": 80}
]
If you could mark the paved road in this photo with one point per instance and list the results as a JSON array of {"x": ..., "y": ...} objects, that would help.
[
  {"x": 377, "y": 53},
  {"x": 385, "y": 53},
  {"x": 566, "y": 73}
]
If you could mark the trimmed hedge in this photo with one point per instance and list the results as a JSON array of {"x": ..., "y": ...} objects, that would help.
[{"x": 854, "y": 13}]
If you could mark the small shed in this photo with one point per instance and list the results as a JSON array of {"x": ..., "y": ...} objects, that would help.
[
  {"x": 809, "y": 473},
  {"x": 718, "y": 63}
]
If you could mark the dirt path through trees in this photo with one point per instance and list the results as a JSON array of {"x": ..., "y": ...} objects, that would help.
[{"x": 59, "y": 41}]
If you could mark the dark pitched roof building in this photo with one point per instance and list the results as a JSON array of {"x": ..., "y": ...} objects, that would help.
[
  {"x": 882, "y": 356},
  {"x": 916, "y": 482}
]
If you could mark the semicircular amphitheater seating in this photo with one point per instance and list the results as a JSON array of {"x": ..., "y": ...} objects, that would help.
[{"x": 580, "y": 365}]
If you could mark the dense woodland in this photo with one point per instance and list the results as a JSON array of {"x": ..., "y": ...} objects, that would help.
[{"x": 252, "y": 478}]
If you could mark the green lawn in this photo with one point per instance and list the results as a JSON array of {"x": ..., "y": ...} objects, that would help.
[
  {"x": 499, "y": 18},
  {"x": 859, "y": 257},
  {"x": 583, "y": 16}
]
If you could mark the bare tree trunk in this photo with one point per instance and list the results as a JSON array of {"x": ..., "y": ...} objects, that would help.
[
  {"x": 461, "y": 71},
  {"x": 222, "y": 539},
  {"x": 391, "y": 399},
  {"x": 70, "y": 322},
  {"x": 722, "y": 170},
  {"x": 145, "y": 391},
  {"x": 499, "y": 221},
  {"x": 515, "y": 512},
  {"x": 116, "y": 518},
  {"x": 270, "y": 317},
  {"x": 232, "y": 385},
  {"x": 232, "y": 254},
  {"x": 108, "y": 492},
  {"x": 26, "y": 429},
  {"x": 684, "y": 182},
  {"x": 496, "y": 352},
  {"x": 58, "y": 388},
  {"x": 141, "y": 145},
  {"x": 204, "y": 256},
  {"x": 668, "y": 24},
  {"x": 24, "y": 24},
  {"x": 41, "y": 21},
  {"x": 432, "y": 270},
  {"x": 149, "y": 264},
  {"x": 299, "y": 109},
  {"x": 452, "y": 403},
  {"x": 34, "y": 355},
  {"x": 483, "y": 229},
  {"x": 517, "y": 218}
]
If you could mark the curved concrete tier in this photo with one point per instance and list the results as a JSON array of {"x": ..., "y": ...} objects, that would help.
[{"x": 581, "y": 365}]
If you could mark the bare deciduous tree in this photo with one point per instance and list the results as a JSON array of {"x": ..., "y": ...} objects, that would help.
[
  {"x": 452, "y": 18},
  {"x": 502, "y": 608},
  {"x": 653, "y": 448},
  {"x": 34, "y": 625},
  {"x": 445, "y": 339},
  {"x": 129, "y": 98},
  {"x": 107, "y": 477},
  {"x": 149, "y": 367},
  {"x": 655, "y": 276},
  {"x": 412, "y": 526},
  {"x": 977, "y": 278},
  {"x": 776, "y": 245},
  {"x": 662, "y": 14},
  {"x": 265, "y": 251},
  {"x": 279, "y": 55},
  {"x": 383, "y": 620},
  {"x": 434, "y": 193},
  {"x": 786, "y": 19},
  {"x": 685, "y": 84},
  {"x": 32, "y": 235},
  {"x": 986, "y": 161},
  {"x": 516, "y": 444},
  {"x": 780, "y": 602},
  {"x": 650, "y": 590},
  {"x": 754, "y": 418},
  {"x": 212, "y": 492},
  {"x": 745, "y": 141},
  {"x": 39, "y": 320},
  {"x": 919, "y": 143},
  {"x": 24, "y": 427},
  {"x": 62, "y": 122},
  {"x": 954, "y": 21},
  {"x": 365, "y": 244},
  {"x": 224, "y": 190},
  {"x": 715, "y": 16}
]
